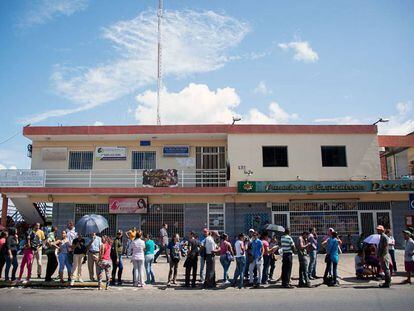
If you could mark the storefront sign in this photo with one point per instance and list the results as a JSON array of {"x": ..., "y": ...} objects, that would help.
[
  {"x": 325, "y": 186},
  {"x": 160, "y": 178},
  {"x": 110, "y": 153},
  {"x": 176, "y": 151},
  {"x": 22, "y": 178},
  {"x": 411, "y": 201},
  {"x": 128, "y": 205}
]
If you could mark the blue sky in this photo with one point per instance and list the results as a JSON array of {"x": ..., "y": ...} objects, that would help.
[{"x": 86, "y": 62}]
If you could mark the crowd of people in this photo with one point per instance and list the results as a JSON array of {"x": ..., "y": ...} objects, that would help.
[{"x": 254, "y": 254}]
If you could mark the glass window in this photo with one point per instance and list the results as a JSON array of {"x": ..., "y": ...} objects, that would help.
[
  {"x": 143, "y": 160},
  {"x": 216, "y": 217},
  {"x": 80, "y": 160},
  {"x": 275, "y": 156},
  {"x": 333, "y": 156}
]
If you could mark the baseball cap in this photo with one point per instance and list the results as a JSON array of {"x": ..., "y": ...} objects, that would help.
[
  {"x": 251, "y": 230},
  {"x": 407, "y": 232},
  {"x": 380, "y": 227}
]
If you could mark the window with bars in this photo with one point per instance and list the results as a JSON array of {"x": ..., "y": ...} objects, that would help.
[
  {"x": 216, "y": 219},
  {"x": 275, "y": 156},
  {"x": 158, "y": 214},
  {"x": 80, "y": 160},
  {"x": 143, "y": 160},
  {"x": 210, "y": 161}
]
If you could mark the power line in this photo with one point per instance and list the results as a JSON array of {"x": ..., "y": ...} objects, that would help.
[{"x": 10, "y": 138}]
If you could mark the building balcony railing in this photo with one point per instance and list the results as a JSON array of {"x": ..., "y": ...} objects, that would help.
[{"x": 114, "y": 178}]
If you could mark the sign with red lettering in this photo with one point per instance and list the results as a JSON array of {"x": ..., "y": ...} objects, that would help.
[{"x": 128, "y": 205}]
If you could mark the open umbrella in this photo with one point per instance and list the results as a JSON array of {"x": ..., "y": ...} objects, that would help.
[
  {"x": 275, "y": 228},
  {"x": 373, "y": 239},
  {"x": 91, "y": 223}
]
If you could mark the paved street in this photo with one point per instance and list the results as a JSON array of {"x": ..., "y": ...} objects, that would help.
[{"x": 352, "y": 294}]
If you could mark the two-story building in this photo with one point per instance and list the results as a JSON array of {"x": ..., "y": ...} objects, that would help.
[{"x": 225, "y": 177}]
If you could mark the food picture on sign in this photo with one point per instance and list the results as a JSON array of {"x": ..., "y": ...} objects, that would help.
[
  {"x": 160, "y": 178},
  {"x": 127, "y": 205}
]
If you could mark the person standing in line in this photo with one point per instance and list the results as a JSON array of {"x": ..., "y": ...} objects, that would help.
[
  {"x": 240, "y": 261},
  {"x": 383, "y": 256},
  {"x": 52, "y": 262},
  {"x": 64, "y": 249},
  {"x": 211, "y": 249},
  {"x": 303, "y": 244},
  {"x": 174, "y": 252},
  {"x": 257, "y": 252},
  {"x": 12, "y": 244},
  {"x": 116, "y": 257},
  {"x": 38, "y": 238},
  {"x": 71, "y": 235},
  {"x": 266, "y": 257},
  {"x": 79, "y": 253},
  {"x": 138, "y": 259},
  {"x": 203, "y": 254},
  {"x": 93, "y": 247},
  {"x": 163, "y": 242},
  {"x": 408, "y": 255},
  {"x": 332, "y": 248},
  {"x": 313, "y": 253},
  {"x": 149, "y": 258},
  {"x": 328, "y": 267},
  {"x": 27, "y": 260},
  {"x": 273, "y": 248},
  {"x": 191, "y": 260},
  {"x": 391, "y": 249},
  {"x": 226, "y": 257},
  {"x": 288, "y": 247},
  {"x": 104, "y": 262},
  {"x": 3, "y": 250}
]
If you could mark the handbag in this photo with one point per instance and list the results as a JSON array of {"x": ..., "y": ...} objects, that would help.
[{"x": 229, "y": 256}]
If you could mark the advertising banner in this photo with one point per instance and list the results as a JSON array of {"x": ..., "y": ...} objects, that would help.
[
  {"x": 110, "y": 153},
  {"x": 160, "y": 178},
  {"x": 128, "y": 205},
  {"x": 22, "y": 178}
]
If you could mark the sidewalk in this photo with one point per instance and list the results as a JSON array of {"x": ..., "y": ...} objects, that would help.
[{"x": 346, "y": 271}]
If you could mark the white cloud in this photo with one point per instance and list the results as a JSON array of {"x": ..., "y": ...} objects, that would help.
[
  {"x": 98, "y": 123},
  {"x": 262, "y": 88},
  {"x": 347, "y": 120},
  {"x": 302, "y": 49},
  {"x": 401, "y": 123},
  {"x": 193, "y": 42},
  {"x": 197, "y": 104},
  {"x": 43, "y": 11}
]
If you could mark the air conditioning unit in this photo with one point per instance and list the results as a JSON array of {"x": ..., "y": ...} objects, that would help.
[{"x": 29, "y": 150}]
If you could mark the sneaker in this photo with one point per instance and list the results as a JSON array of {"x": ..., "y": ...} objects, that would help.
[
  {"x": 107, "y": 286},
  {"x": 99, "y": 286},
  {"x": 72, "y": 283},
  {"x": 169, "y": 284},
  {"x": 80, "y": 280}
]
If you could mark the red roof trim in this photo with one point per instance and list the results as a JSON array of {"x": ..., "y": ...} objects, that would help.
[
  {"x": 136, "y": 191},
  {"x": 198, "y": 129},
  {"x": 396, "y": 141}
]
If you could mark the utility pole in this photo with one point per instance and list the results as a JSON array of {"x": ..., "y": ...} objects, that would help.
[{"x": 159, "y": 74}]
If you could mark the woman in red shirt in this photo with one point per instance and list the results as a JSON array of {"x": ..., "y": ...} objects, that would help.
[{"x": 104, "y": 263}]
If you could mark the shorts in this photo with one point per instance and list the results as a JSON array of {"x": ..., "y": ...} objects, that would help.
[{"x": 409, "y": 266}]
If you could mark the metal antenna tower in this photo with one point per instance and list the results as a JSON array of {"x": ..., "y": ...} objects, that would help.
[{"x": 159, "y": 74}]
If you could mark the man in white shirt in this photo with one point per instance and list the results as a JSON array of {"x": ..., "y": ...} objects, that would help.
[
  {"x": 240, "y": 261},
  {"x": 211, "y": 248},
  {"x": 93, "y": 255}
]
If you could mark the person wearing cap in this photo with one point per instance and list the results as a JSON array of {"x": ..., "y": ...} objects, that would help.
[
  {"x": 384, "y": 256},
  {"x": 116, "y": 257},
  {"x": 408, "y": 255}
]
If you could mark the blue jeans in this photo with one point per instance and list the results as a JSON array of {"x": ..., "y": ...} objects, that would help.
[
  {"x": 240, "y": 266},
  {"x": 64, "y": 262},
  {"x": 226, "y": 265},
  {"x": 9, "y": 263},
  {"x": 202, "y": 265},
  {"x": 117, "y": 264},
  {"x": 149, "y": 260},
  {"x": 313, "y": 255},
  {"x": 266, "y": 265}
]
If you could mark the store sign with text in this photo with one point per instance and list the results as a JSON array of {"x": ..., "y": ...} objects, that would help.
[
  {"x": 110, "y": 153},
  {"x": 22, "y": 178},
  {"x": 325, "y": 186},
  {"x": 128, "y": 205}
]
